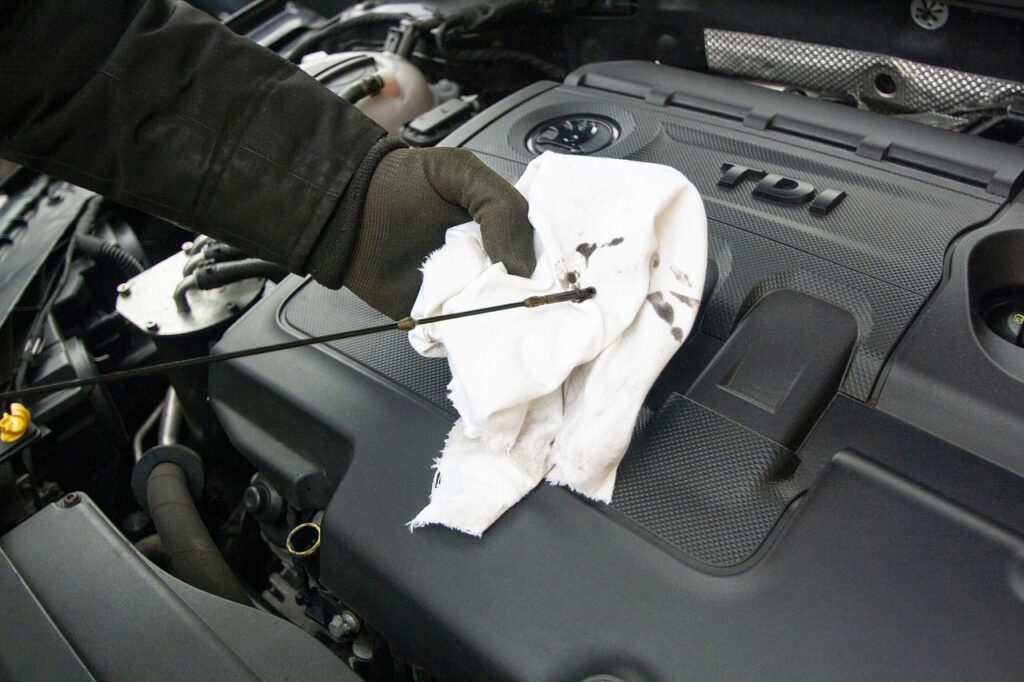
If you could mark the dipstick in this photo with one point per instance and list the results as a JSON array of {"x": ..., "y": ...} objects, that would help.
[{"x": 405, "y": 324}]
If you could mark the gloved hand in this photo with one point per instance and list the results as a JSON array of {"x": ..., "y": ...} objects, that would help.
[{"x": 414, "y": 196}]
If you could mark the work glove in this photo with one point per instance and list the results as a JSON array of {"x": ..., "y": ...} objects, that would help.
[{"x": 413, "y": 197}]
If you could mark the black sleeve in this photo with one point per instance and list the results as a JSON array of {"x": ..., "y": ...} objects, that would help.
[{"x": 157, "y": 106}]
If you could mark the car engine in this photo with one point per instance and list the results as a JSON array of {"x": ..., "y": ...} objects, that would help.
[{"x": 825, "y": 481}]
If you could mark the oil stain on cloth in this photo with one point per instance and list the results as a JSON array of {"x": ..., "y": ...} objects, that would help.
[{"x": 552, "y": 393}]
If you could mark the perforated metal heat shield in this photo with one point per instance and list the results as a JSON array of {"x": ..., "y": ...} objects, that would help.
[{"x": 915, "y": 87}]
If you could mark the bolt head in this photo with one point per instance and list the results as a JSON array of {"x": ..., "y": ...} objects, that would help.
[
  {"x": 351, "y": 621},
  {"x": 230, "y": 306},
  {"x": 152, "y": 325},
  {"x": 255, "y": 499},
  {"x": 344, "y": 624},
  {"x": 71, "y": 499},
  {"x": 124, "y": 288},
  {"x": 188, "y": 246}
]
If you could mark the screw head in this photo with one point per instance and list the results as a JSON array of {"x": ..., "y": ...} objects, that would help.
[
  {"x": 344, "y": 624},
  {"x": 151, "y": 325},
  {"x": 188, "y": 246},
  {"x": 71, "y": 499},
  {"x": 124, "y": 288},
  {"x": 230, "y": 306}
]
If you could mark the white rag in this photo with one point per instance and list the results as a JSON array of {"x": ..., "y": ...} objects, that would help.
[{"x": 553, "y": 392}]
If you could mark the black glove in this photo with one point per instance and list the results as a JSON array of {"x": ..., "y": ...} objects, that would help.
[
  {"x": 415, "y": 195},
  {"x": 222, "y": 136}
]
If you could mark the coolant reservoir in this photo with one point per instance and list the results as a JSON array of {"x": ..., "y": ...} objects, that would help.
[{"x": 405, "y": 96}]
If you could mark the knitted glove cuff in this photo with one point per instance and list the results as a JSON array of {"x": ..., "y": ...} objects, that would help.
[{"x": 328, "y": 261}]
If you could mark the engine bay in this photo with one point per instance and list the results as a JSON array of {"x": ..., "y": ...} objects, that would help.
[{"x": 825, "y": 481}]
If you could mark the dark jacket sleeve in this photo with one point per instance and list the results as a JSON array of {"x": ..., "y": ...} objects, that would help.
[{"x": 157, "y": 106}]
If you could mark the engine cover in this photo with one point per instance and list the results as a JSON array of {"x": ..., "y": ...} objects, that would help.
[{"x": 767, "y": 521}]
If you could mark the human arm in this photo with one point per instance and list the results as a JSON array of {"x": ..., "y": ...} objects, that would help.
[{"x": 156, "y": 106}]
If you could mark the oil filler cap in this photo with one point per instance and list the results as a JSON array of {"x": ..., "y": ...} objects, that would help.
[{"x": 577, "y": 134}]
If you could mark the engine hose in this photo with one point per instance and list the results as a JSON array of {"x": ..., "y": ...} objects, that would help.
[
  {"x": 366, "y": 86},
  {"x": 193, "y": 556},
  {"x": 193, "y": 263},
  {"x": 217, "y": 252},
  {"x": 221, "y": 252},
  {"x": 180, "y": 295},
  {"x": 197, "y": 244},
  {"x": 220, "y": 274},
  {"x": 108, "y": 251}
]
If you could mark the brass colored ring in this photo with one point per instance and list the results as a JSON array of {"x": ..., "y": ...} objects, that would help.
[{"x": 305, "y": 552}]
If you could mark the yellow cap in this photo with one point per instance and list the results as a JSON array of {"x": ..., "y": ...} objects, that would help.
[{"x": 14, "y": 423}]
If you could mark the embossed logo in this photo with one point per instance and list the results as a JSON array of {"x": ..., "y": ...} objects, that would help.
[
  {"x": 573, "y": 135},
  {"x": 781, "y": 189}
]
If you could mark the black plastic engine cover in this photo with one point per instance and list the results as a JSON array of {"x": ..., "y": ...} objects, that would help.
[
  {"x": 735, "y": 547},
  {"x": 877, "y": 254},
  {"x": 80, "y": 603}
]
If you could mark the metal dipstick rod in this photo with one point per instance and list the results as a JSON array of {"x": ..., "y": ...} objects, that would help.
[{"x": 405, "y": 324}]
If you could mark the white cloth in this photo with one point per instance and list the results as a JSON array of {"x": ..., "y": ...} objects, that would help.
[{"x": 553, "y": 392}]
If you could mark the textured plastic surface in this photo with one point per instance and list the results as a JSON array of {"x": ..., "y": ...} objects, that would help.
[
  {"x": 704, "y": 484},
  {"x": 893, "y": 225},
  {"x": 125, "y": 619},
  {"x": 557, "y": 567},
  {"x": 727, "y": 453},
  {"x": 315, "y": 310},
  {"x": 995, "y": 166},
  {"x": 751, "y": 266},
  {"x": 781, "y": 366},
  {"x": 712, "y": 472},
  {"x": 878, "y": 255},
  {"x": 702, "y": 561},
  {"x": 862, "y": 259}
]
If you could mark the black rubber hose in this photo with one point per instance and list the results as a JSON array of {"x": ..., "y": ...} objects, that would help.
[
  {"x": 108, "y": 251},
  {"x": 193, "y": 555},
  {"x": 220, "y": 274},
  {"x": 220, "y": 252},
  {"x": 363, "y": 88}
]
